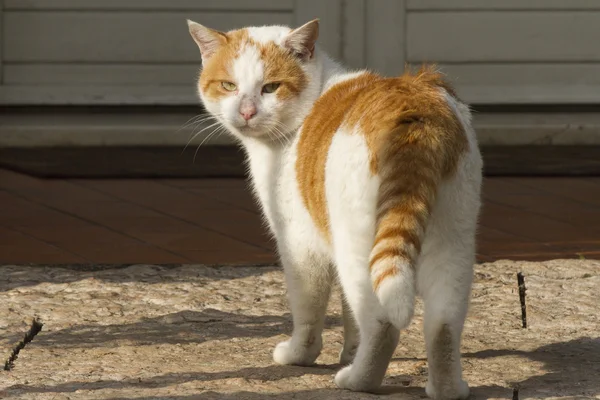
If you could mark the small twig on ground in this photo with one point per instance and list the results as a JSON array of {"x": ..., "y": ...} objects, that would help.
[
  {"x": 515, "y": 393},
  {"x": 522, "y": 290},
  {"x": 36, "y": 327}
]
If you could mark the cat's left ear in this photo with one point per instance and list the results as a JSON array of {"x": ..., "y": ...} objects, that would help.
[
  {"x": 301, "y": 41},
  {"x": 208, "y": 40}
]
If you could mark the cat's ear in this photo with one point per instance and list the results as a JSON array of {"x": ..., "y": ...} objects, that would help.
[
  {"x": 301, "y": 41},
  {"x": 208, "y": 40}
]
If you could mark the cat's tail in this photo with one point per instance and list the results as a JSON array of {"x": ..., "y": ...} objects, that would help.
[{"x": 412, "y": 164}]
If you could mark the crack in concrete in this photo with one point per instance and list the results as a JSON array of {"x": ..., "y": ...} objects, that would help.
[{"x": 36, "y": 327}]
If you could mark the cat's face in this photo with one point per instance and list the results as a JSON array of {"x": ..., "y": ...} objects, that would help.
[{"x": 257, "y": 81}]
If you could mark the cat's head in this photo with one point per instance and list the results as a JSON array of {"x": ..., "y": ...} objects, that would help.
[{"x": 258, "y": 81}]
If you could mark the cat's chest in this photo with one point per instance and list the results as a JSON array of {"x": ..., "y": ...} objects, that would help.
[
  {"x": 276, "y": 186},
  {"x": 285, "y": 201},
  {"x": 274, "y": 180}
]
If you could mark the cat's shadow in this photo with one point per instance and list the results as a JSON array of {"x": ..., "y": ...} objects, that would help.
[
  {"x": 268, "y": 373},
  {"x": 569, "y": 368},
  {"x": 572, "y": 368},
  {"x": 572, "y": 371}
]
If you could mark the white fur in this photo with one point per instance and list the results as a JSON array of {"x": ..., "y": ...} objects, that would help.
[
  {"x": 444, "y": 267},
  {"x": 341, "y": 77},
  {"x": 267, "y": 34}
]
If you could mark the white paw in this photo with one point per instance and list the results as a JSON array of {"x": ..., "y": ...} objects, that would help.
[
  {"x": 349, "y": 378},
  {"x": 290, "y": 353},
  {"x": 461, "y": 391},
  {"x": 347, "y": 355}
]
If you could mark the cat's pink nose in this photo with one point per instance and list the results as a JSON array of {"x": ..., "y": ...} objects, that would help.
[
  {"x": 247, "y": 114},
  {"x": 247, "y": 111}
]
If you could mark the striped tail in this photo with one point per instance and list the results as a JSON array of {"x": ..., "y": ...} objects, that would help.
[{"x": 416, "y": 157}]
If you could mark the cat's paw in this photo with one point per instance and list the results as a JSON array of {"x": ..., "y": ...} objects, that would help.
[
  {"x": 460, "y": 392},
  {"x": 350, "y": 378},
  {"x": 291, "y": 353},
  {"x": 347, "y": 355}
]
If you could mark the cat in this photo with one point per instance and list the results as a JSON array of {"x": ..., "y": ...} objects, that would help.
[{"x": 370, "y": 181}]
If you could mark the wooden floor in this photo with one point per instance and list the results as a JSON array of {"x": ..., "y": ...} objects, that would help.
[{"x": 216, "y": 221}]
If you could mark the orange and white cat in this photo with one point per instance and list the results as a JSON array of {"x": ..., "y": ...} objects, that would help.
[{"x": 369, "y": 180}]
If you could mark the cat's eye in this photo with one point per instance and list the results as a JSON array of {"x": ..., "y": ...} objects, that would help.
[
  {"x": 230, "y": 87},
  {"x": 270, "y": 87}
]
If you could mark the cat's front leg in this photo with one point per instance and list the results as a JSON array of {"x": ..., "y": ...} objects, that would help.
[{"x": 308, "y": 287}]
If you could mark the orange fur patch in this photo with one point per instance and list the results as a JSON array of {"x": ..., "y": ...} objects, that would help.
[
  {"x": 320, "y": 125},
  {"x": 280, "y": 66},
  {"x": 415, "y": 140},
  {"x": 218, "y": 67}
]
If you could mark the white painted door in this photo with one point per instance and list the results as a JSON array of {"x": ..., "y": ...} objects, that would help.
[
  {"x": 127, "y": 51},
  {"x": 139, "y": 52},
  {"x": 510, "y": 51}
]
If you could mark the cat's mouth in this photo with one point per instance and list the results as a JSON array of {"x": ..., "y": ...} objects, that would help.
[
  {"x": 248, "y": 128},
  {"x": 245, "y": 127},
  {"x": 252, "y": 128}
]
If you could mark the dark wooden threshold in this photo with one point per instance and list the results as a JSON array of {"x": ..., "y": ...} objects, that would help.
[{"x": 228, "y": 161}]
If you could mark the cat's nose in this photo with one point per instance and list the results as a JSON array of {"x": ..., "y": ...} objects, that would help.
[
  {"x": 248, "y": 111},
  {"x": 248, "y": 115}
]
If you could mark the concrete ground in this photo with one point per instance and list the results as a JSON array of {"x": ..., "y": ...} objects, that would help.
[{"x": 197, "y": 332}]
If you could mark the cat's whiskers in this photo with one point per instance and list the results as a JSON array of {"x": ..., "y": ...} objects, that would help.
[
  {"x": 190, "y": 121},
  {"x": 217, "y": 131},
  {"x": 199, "y": 132},
  {"x": 280, "y": 136},
  {"x": 274, "y": 133},
  {"x": 197, "y": 121},
  {"x": 201, "y": 121},
  {"x": 195, "y": 134},
  {"x": 194, "y": 121},
  {"x": 280, "y": 133}
]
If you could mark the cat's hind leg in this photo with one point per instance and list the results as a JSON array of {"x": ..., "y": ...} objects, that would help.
[
  {"x": 352, "y": 194},
  {"x": 445, "y": 282},
  {"x": 308, "y": 287},
  {"x": 378, "y": 338}
]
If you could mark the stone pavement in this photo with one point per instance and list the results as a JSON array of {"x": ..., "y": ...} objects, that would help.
[{"x": 198, "y": 332}]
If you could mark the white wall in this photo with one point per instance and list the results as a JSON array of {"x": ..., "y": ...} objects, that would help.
[{"x": 139, "y": 52}]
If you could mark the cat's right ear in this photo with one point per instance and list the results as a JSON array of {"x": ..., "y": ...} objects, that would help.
[{"x": 208, "y": 40}]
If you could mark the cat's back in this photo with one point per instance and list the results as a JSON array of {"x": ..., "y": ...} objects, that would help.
[
  {"x": 372, "y": 105},
  {"x": 374, "y": 117}
]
